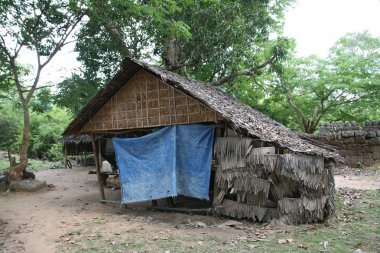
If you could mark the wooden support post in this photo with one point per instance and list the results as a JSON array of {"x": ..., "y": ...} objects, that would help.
[
  {"x": 85, "y": 155},
  {"x": 76, "y": 155},
  {"x": 218, "y": 133},
  {"x": 100, "y": 154},
  {"x": 65, "y": 148},
  {"x": 96, "y": 157},
  {"x": 216, "y": 186}
]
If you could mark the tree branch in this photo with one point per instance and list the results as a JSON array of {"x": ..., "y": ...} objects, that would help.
[
  {"x": 4, "y": 48},
  {"x": 111, "y": 29},
  {"x": 36, "y": 79},
  {"x": 302, "y": 116},
  {"x": 35, "y": 25},
  {"x": 57, "y": 47},
  {"x": 247, "y": 72},
  {"x": 40, "y": 87},
  {"x": 17, "y": 80},
  {"x": 62, "y": 40}
]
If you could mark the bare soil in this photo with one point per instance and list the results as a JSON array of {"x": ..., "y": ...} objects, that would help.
[
  {"x": 358, "y": 178},
  {"x": 62, "y": 215},
  {"x": 45, "y": 220}
]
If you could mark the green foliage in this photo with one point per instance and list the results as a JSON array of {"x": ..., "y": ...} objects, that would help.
[
  {"x": 43, "y": 101},
  {"x": 356, "y": 68},
  {"x": 34, "y": 164},
  {"x": 36, "y": 24},
  {"x": 47, "y": 124},
  {"x": 5, "y": 79},
  {"x": 302, "y": 92},
  {"x": 46, "y": 129},
  {"x": 10, "y": 121},
  {"x": 74, "y": 92},
  {"x": 203, "y": 39},
  {"x": 8, "y": 131},
  {"x": 55, "y": 152},
  {"x": 116, "y": 29}
]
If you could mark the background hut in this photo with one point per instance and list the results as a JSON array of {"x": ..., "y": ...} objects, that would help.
[
  {"x": 261, "y": 169},
  {"x": 79, "y": 146}
]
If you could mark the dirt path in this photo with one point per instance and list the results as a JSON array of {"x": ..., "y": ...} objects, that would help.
[
  {"x": 357, "y": 182},
  {"x": 43, "y": 221},
  {"x": 37, "y": 220},
  {"x": 360, "y": 179}
]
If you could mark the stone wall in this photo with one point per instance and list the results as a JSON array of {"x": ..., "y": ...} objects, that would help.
[{"x": 358, "y": 145}]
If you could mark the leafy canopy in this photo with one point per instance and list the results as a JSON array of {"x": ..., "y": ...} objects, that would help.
[
  {"x": 302, "y": 92},
  {"x": 74, "y": 92},
  {"x": 205, "y": 39}
]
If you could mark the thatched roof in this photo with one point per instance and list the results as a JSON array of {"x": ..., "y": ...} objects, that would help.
[
  {"x": 83, "y": 138},
  {"x": 241, "y": 117}
]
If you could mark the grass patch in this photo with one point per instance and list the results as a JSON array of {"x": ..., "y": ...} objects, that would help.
[
  {"x": 375, "y": 168},
  {"x": 137, "y": 243},
  {"x": 33, "y": 164}
]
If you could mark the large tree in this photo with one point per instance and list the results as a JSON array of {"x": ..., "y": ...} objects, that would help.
[
  {"x": 39, "y": 26},
  {"x": 343, "y": 86},
  {"x": 213, "y": 41}
]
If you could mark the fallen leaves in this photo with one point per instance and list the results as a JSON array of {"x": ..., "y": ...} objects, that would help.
[
  {"x": 196, "y": 224},
  {"x": 260, "y": 235},
  {"x": 284, "y": 241},
  {"x": 302, "y": 246},
  {"x": 230, "y": 223},
  {"x": 160, "y": 236},
  {"x": 65, "y": 239},
  {"x": 251, "y": 246},
  {"x": 325, "y": 244}
]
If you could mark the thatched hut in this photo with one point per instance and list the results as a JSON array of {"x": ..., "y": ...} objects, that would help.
[
  {"x": 262, "y": 170},
  {"x": 79, "y": 146}
]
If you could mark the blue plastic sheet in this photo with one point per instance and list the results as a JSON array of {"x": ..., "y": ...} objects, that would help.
[{"x": 172, "y": 161}]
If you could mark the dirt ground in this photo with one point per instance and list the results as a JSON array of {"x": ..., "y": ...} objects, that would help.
[
  {"x": 51, "y": 219},
  {"x": 354, "y": 178}
]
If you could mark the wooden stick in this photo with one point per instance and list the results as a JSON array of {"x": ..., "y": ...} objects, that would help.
[
  {"x": 65, "y": 146},
  {"x": 218, "y": 133},
  {"x": 186, "y": 210},
  {"x": 109, "y": 201},
  {"x": 96, "y": 157}
]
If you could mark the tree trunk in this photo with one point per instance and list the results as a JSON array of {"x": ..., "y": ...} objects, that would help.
[
  {"x": 16, "y": 172},
  {"x": 12, "y": 159},
  {"x": 171, "y": 54},
  {"x": 309, "y": 129}
]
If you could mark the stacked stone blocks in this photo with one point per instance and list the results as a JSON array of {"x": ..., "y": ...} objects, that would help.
[{"x": 358, "y": 145}]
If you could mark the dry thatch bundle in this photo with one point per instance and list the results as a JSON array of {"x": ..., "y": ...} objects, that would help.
[
  {"x": 231, "y": 151},
  {"x": 240, "y": 210},
  {"x": 254, "y": 180},
  {"x": 242, "y": 181},
  {"x": 307, "y": 169},
  {"x": 301, "y": 210}
]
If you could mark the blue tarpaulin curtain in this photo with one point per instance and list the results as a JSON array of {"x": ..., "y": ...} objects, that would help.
[{"x": 175, "y": 160}]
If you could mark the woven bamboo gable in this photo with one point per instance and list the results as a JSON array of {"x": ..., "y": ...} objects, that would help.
[{"x": 146, "y": 101}]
